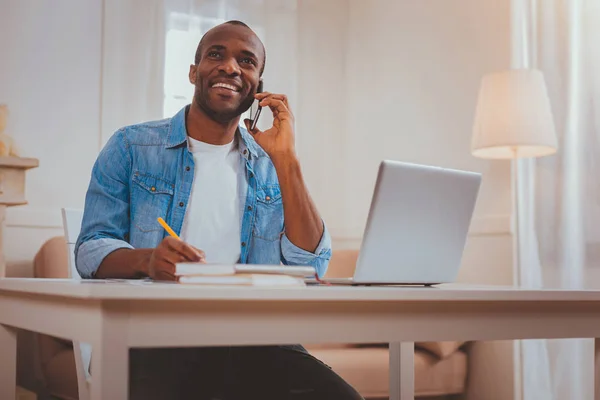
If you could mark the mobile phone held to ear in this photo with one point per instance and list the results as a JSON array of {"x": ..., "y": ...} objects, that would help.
[{"x": 258, "y": 110}]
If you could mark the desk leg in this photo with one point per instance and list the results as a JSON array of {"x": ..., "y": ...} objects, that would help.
[
  {"x": 597, "y": 369},
  {"x": 110, "y": 357},
  {"x": 402, "y": 371},
  {"x": 8, "y": 362}
]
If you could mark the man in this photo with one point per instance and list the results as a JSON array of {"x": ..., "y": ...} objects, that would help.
[{"x": 233, "y": 196}]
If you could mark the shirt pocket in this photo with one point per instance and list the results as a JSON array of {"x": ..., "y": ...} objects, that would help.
[
  {"x": 268, "y": 222},
  {"x": 151, "y": 197}
]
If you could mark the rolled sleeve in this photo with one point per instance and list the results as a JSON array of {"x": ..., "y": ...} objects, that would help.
[
  {"x": 91, "y": 253},
  {"x": 319, "y": 259},
  {"x": 105, "y": 222}
]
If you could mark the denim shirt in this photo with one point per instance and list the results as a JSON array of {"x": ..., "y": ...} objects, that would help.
[{"x": 146, "y": 171}]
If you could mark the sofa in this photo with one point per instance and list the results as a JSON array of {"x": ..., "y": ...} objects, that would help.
[{"x": 440, "y": 367}]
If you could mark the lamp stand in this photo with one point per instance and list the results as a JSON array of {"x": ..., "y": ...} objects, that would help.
[{"x": 517, "y": 345}]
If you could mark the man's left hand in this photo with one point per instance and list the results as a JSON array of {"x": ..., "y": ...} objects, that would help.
[{"x": 278, "y": 141}]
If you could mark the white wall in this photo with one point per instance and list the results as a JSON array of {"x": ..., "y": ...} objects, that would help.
[
  {"x": 413, "y": 73},
  {"x": 413, "y": 70},
  {"x": 50, "y": 79},
  {"x": 321, "y": 113}
]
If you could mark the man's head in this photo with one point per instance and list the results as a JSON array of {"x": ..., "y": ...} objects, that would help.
[{"x": 229, "y": 62}]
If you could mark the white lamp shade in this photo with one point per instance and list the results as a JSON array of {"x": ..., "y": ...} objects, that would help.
[{"x": 513, "y": 118}]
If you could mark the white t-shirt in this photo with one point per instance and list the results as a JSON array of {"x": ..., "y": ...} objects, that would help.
[{"x": 212, "y": 218}]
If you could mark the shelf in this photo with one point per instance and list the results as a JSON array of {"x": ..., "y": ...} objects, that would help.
[{"x": 19, "y": 162}]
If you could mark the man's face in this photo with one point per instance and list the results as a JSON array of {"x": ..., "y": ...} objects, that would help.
[{"x": 228, "y": 73}]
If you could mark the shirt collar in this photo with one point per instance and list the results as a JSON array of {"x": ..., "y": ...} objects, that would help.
[
  {"x": 178, "y": 135},
  {"x": 177, "y": 131}
]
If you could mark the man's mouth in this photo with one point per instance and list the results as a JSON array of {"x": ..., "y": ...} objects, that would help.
[{"x": 227, "y": 86}]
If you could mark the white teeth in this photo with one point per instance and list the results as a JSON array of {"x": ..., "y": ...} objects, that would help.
[{"x": 226, "y": 86}]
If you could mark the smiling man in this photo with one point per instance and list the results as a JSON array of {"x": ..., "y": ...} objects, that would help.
[{"x": 233, "y": 196}]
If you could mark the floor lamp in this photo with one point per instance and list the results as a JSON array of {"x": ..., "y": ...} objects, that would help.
[{"x": 514, "y": 120}]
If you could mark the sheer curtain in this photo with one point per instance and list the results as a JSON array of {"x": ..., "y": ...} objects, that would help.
[{"x": 559, "y": 196}]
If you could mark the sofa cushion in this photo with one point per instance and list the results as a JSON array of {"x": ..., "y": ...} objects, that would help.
[
  {"x": 342, "y": 264},
  {"x": 435, "y": 377},
  {"x": 52, "y": 261},
  {"x": 439, "y": 349},
  {"x": 367, "y": 370}
]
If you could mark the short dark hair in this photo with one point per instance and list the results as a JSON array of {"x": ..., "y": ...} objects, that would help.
[{"x": 198, "y": 55}]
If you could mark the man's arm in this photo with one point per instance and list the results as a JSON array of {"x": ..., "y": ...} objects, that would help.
[
  {"x": 305, "y": 240},
  {"x": 158, "y": 263},
  {"x": 303, "y": 224},
  {"x": 126, "y": 264}
]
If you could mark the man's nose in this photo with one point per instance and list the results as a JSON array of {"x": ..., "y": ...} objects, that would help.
[{"x": 230, "y": 66}]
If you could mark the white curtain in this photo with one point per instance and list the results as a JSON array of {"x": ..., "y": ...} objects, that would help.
[{"x": 559, "y": 196}]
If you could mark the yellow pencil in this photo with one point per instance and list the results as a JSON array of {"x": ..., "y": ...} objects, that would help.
[{"x": 167, "y": 228}]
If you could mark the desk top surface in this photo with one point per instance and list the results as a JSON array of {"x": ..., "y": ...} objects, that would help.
[{"x": 144, "y": 290}]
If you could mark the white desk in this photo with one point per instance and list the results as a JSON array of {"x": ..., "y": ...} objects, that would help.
[{"x": 116, "y": 316}]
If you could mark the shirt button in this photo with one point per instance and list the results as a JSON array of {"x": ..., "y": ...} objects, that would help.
[
  {"x": 181, "y": 204},
  {"x": 267, "y": 198},
  {"x": 153, "y": 189},
  {"x": 249, "y": 208},
  {"x": 243, "y": 244},
  {"x": 245, "y": 152},
  {"x": 251, "y": 175},
  {"x": 187, "y": 168}
]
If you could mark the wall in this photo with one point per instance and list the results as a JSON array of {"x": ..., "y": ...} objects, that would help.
[
  {"x": 50, "y": 79},
  {"x": 321, "y": 113},
  {"x": 413, "y": 70}
]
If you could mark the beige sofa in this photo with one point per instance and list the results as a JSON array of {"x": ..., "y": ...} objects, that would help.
[{"x": 440, "y": 367}]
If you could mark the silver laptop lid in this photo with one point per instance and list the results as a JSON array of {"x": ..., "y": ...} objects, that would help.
[{"x": 417, "y": 225}]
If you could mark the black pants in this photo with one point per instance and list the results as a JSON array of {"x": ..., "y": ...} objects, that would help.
[{"x": 234, "y": 373}]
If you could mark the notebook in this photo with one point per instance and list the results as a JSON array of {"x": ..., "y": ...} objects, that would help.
[{"x": 187, "y": 269}]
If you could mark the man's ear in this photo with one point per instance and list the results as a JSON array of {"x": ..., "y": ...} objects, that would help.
[{"x": 192, "y": 74}]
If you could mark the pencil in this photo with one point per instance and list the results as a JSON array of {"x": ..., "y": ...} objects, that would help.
[{"x": 167, "y": 228}]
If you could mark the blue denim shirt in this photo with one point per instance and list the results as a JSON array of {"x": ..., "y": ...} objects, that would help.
[{"x": 146, "y": 171}]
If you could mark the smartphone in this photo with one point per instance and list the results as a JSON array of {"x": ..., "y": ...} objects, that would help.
[{"x": 258, "y": 110}]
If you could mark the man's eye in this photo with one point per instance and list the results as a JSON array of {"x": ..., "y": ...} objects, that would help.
[
  {"x": 213, "y": 54},
  {"x": 248, "y": 60}
]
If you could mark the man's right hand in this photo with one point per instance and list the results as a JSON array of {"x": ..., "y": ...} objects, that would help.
[{"x": 169, "y": 252}]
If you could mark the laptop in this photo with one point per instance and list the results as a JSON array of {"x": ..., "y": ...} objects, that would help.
[{"x": 417, "y": 226}]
